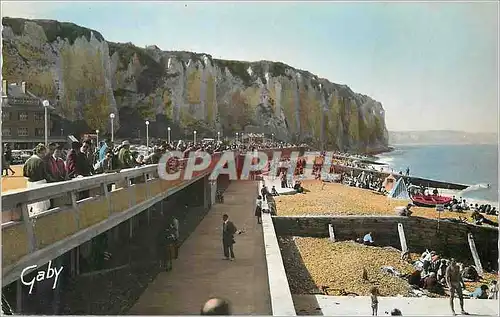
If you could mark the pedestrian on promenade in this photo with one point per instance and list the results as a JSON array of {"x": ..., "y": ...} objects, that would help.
[
  {"x": 174, "y": 226},
  {"x": 374, "y": 297},
  {"x": 35, "y": 171},
  {"x": 258, "y": 209},
  {"x": 454, "y": 283},
  {"x": 7, "y": 160},
  {"x": 216, "y": 306},
  {"x": 264, "y": 192},
  {"x": 228, "y": 231},
  {"x": 166, "y": 248}
]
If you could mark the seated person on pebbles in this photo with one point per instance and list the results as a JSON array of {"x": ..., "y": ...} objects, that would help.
[{"x": 404, "y": 211}]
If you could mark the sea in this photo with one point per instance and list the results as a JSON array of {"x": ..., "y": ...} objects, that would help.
[{"x": 475, "y": 165}]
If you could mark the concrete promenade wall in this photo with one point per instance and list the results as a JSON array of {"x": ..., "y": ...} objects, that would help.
[
  {"x": 447, "y": 238},
  {"x": 281, "y": 297}
]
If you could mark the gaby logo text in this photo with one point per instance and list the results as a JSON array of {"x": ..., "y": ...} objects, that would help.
[{"x": 41, "y": 275}]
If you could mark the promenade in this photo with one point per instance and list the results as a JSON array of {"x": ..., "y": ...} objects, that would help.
[
  {"x": 200, "y": 271},
  {"x": 16, "y": 182},
  {"x": 409, "y": 306}
]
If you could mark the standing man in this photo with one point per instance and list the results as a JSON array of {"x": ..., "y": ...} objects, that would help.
[
  {"x": 56, "y": 169},
  {"x": 228, "y": 231},
  {"x": 35, "y": 171},
  {"x": 264, "y": 192},
  {"x": 77, "y": 162},
  {"x": 7, "y": 160},
  {"x": 166, "y": 248},
  {"x": 105, "y": 146},
  {"x": 454, "y": 283},
  {"x": 124, "y": 156},
  {"x": 175, "y": 230}
]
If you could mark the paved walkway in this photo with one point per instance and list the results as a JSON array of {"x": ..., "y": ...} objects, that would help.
[
  {"x": 16, "y": 182},
  {"x": 200, "y": 271},
  {"x": 409, "y": 306}
]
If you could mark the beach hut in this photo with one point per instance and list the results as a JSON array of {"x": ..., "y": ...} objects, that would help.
[
  {"x": 389, "y": 182},
  {"x": 399, "y": 191}
]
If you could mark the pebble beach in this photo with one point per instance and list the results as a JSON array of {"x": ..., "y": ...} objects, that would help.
[
  {"x": 314, "y": 262},
  {"x": 338, "y": 199}
]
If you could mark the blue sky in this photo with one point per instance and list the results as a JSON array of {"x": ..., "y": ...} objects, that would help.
[{"x": 433, "y": 66}]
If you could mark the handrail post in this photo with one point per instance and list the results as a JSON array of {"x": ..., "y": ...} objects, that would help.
[
  {"x": 74, "y": 204},
  {"x": 105, "y": 193},
  {"x": 147, "y": 183},
  {"x": 29, "y": 227},
  {"x": 148, "y": 195}
]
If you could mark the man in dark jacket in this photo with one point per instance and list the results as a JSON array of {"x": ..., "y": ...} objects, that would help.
[
  {"x": 166, "y": 247},
  {"x": 264, "y": 192},
  {"x": 71, "y": 159},
  {"x": 228, "y": 231},
  {"x": 7, "y": 156}
]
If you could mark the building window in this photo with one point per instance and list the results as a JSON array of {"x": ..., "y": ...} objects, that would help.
[
  {"x": 22, "y": 131},
  {"x": 39, "y": 116},
  {"x": 23, "y": 116},
  {"x": 6, "y": 132},
  {"x": 39, "y": 132},
  {"x": 6, "y": 115}
]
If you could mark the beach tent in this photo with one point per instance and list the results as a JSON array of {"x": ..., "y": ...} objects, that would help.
[
  {"x": 389, "y": 182},
  {"x": 399, "y": 191}
]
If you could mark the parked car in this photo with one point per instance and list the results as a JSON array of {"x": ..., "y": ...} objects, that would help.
[{"x": 20, "y": 156}]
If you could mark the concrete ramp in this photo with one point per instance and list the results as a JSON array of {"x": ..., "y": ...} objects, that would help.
[{"x": 276, "y": 182}]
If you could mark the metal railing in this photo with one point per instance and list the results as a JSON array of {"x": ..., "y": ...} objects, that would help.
[{"x": 80, "y": 209}]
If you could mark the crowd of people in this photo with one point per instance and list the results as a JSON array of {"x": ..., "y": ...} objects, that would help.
[
  {"x": 461, "y": 204},
  {"x": 433, "y": 273},
  {"x": 365, "y": 180},
  {"x": 86, "y": 158},
  {"x": 54, "y": 163}
]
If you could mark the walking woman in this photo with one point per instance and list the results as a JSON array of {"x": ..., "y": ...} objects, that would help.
[
  {"x": 374, "y": 297},
  {"x": 258, "y": 209}
]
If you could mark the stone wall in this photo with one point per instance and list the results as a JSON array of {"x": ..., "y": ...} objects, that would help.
[{"x": 447, "y": 238}]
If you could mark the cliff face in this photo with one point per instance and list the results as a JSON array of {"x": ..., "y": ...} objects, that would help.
[{"x": 87, "y": 77}]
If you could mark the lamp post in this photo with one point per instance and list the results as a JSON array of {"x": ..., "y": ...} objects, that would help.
[
  {"x": 272, "y": 137},
  {"x": 194, "y": 136},
  {"x": 168, "y": 135},
  {"x": 147, "y": 137},
  {"x": 112, "y": 117},
  {"x": 218, "y": 136},
  {"x": 97, "y": 139},
  {"x": 46, "y": 105},
  {"x": 236, "y": 136}
]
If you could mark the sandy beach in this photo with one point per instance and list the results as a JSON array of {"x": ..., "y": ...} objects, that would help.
[{"x": 339, "y": 199}]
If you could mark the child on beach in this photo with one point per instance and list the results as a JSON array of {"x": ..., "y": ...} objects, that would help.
[
  {"x": 493, "y": 290},
  {"x": 374, "y": 293}
]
